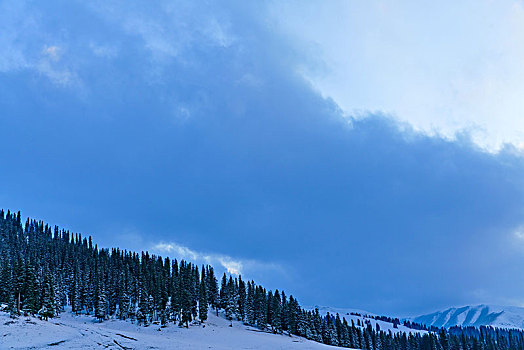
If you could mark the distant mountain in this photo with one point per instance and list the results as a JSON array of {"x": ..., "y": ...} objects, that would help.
[{"x": 480, "y": 315}]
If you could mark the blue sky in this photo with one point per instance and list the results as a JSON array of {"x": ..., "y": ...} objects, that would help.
[{"x": 242, "y": 135}]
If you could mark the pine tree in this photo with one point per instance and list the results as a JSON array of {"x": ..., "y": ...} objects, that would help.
[
  {"x": 76, "y": 293},
  {"x": 124, "y": 306},
  {"x": 284, "y": 313},
  {"x": 11, "y": 306},
  {"x": 223, "y": 292},
  {"x": 176, "y": 292},
  {"x": 150, "y": 304},
  {"x": 261, "y": 307},
  {"x": 30, "y": 303},
  {"x": 212, "y": 288},
  {"x": 186, "y": 295},
  {"x": 195, "y": 290},
  {"x": 229, "y": 299},
  {"x": 317, "y": 326},
  {"x": 276, "y": 316},
  {"x": 143, "y": 313},
  {"x": 241, "y": 304},
  {"x": 202, "y": 298},
  {"x": 250, "y": 304},
  {"x": 48, "y": 308},
  {"x": 101, "y": 305}
]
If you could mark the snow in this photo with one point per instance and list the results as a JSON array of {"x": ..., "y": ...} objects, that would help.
[
  {"x": 365, "y": 317},
  {"x": 83, "y": 332},
  {"x": 341, "y": 311},
  {"x": 69, "y": 331},
  {"x": 478, "y": 315}
]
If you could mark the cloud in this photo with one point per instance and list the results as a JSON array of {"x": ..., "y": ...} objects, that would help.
[
  {"x": 53, "y": 52},
  {"x": 470, "y": 83},
  {"x": 445, "y": 70},
  {"x": 29, "y": 44},
  {"x": 22, "y": 49},
  {"x": 168, "y": 29},
  {"x": 50, "y": 66},
  {"x": 519, "y": 233},
  {"x": 183, "y": 252},
  {"x": 104, "y": 51},
  {"x": 363, "y": 212},
  {"x": 12, "y": 24},
  {"x": 231, "y": 265}
]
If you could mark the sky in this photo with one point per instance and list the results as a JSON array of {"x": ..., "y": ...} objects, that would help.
[{"x": 355, "y": 154}]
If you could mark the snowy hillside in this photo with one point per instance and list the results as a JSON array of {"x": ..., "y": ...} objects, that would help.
[
  {"x": 497, "y": 316},
  {"x": 364, "y": 317},
  {"x": 338, "y": 310},
  {"x": 83, "y": 332}
]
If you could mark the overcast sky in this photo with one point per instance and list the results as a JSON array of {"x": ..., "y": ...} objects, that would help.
[{"x": 365, "y": 155}]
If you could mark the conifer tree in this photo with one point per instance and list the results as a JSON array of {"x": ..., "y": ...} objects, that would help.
[
  {"x": 11, "y": 306},
  {"x": 186, "y": 295},
  {"x": 101, "y": 305},
  {"x": 124, "y": 306},
  {"x": 48, "y": 308},
  {"x": 241, "y": 303},
  {"x": 195, "y": 290},
  {"x": 202, "y": 300},
  {"x": 143, "y": 313},
  {"x": 276, "y": 317},
  {"x": 30, "y": 303},
  {"x": 223, "y": 292},
  {"x": 250, "y": 304},
  {"x": 76, "y": 294},
  {"x": 212, "y": 288},
  {"x": 229, "y": 299}
]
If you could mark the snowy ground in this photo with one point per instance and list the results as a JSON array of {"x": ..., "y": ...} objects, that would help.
[{"x": 83, "y": 332}]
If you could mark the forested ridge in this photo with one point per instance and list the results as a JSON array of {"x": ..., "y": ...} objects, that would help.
[{"x": 44, "y": 269}]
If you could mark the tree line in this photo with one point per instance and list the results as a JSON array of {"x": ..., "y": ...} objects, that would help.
[{"x": 43, "y": 269}]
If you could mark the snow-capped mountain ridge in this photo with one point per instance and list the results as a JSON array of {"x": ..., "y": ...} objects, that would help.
[
  {"x": 478, "y": 315},
  {"x": 470, "y": 315}
]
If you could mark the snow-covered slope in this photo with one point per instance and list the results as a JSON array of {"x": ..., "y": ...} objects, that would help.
[
  {"x": 364, "y": 317},
  {"x": 480, "y": 315},
  {"x": 338, "y": 310},
  {"x": 83, "y": 332}
]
